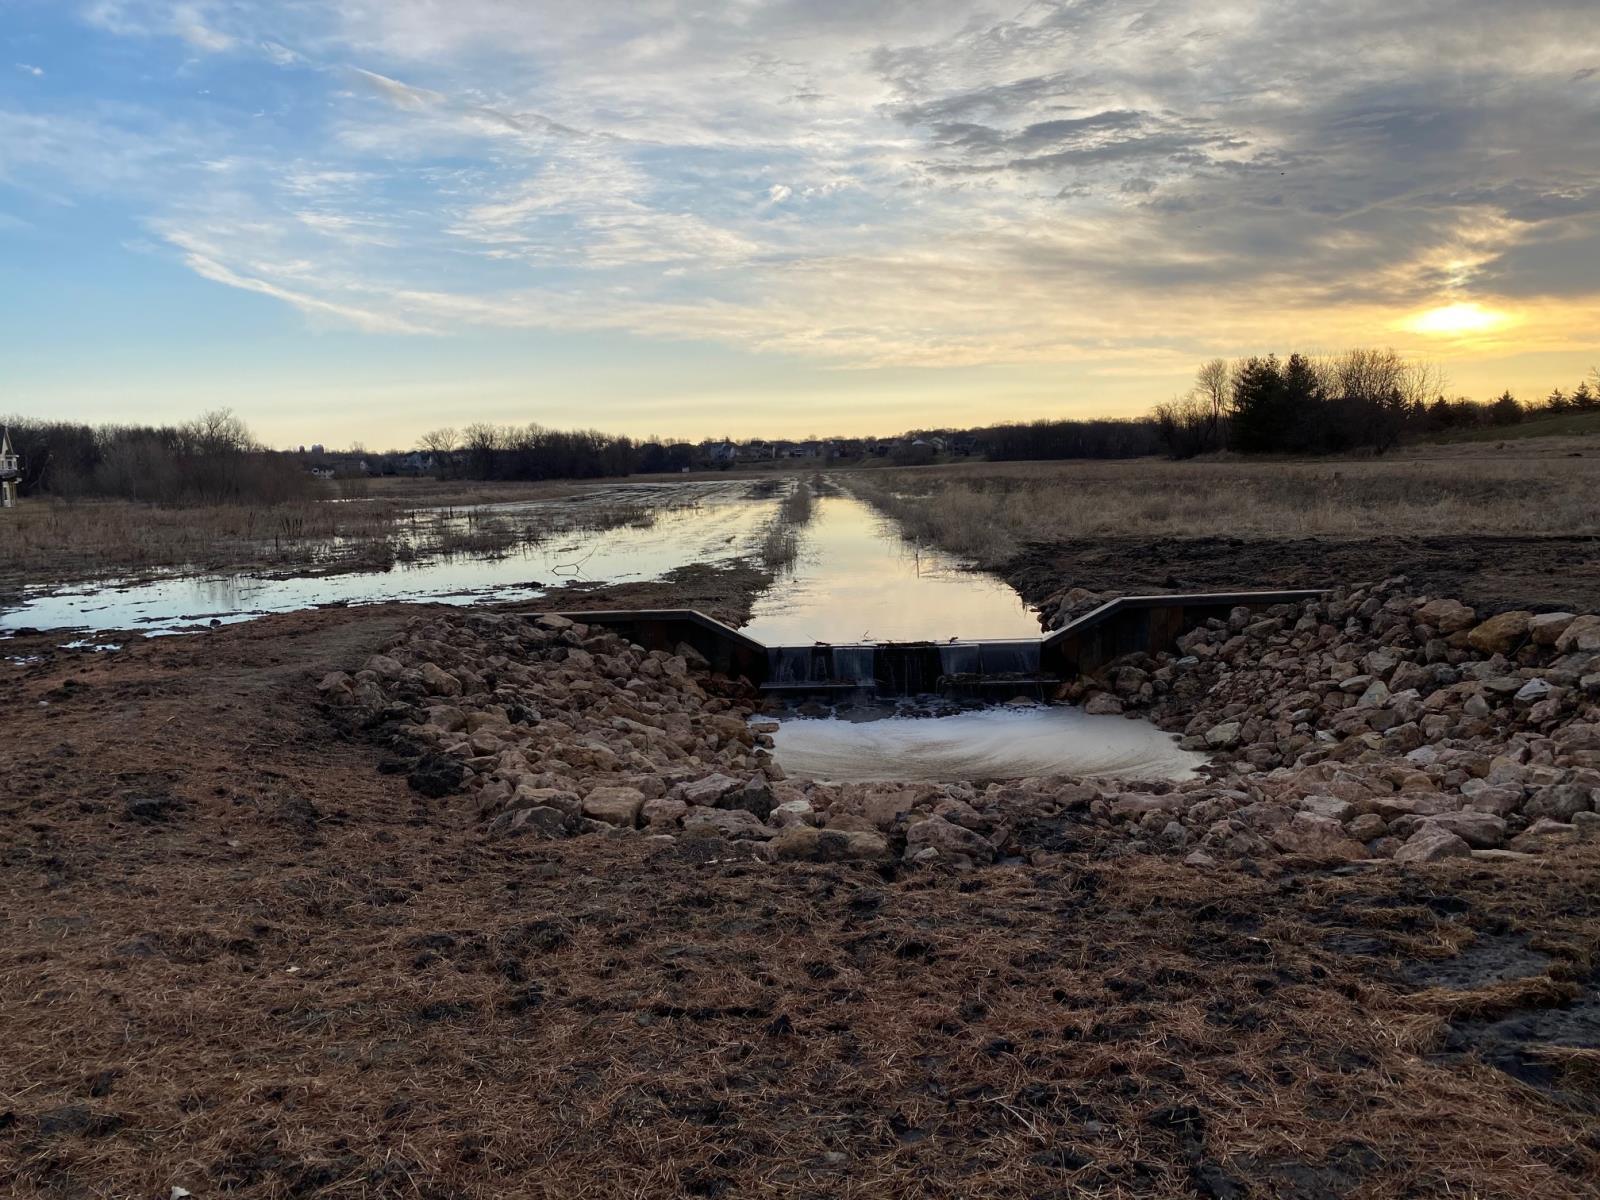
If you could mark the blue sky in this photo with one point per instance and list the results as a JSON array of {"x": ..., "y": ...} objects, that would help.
[{"x": 359, "y": 219}]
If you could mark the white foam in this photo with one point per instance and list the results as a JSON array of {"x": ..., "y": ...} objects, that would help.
[{"x": 990, "y": 744}]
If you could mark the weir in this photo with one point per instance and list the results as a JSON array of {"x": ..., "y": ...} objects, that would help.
[{"x": 959, "y": 667}]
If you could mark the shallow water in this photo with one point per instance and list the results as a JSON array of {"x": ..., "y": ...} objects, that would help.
[
  {"x": 994, "y": 743},
  {"x": 858, "y": 581},
  {"x": 855, "y": 579}
]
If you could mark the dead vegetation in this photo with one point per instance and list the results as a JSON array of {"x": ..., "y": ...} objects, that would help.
[
  {"x": 988, "y": 511},
  {"x": 235, "y": 959}
]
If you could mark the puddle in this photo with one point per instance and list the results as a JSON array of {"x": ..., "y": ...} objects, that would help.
[
  {"x": 853, "y": 578},
  {"x": 1513, "y": 1044},
  {"x": 1489, "y": 959},
  {"x": 990, "y": 744}
]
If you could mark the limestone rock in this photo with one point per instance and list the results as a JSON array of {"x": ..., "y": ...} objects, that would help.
[
  {"x": 1447, "y": 616},
  {"x": 614, "y": 805},
  {"x": 1500, "y": 634},
  {"x": 710, "y": 790},
  {"x": 1545, "y": 629},
  {"x": 1582, "y": 636},
  {"x": 1480, "y": 830},
  {"x": 733, "y": 823},
  {"x": 803, "y": 843},
  {"x": 1316, "y": 837},
  {"x": 1223, "y": 735},
  {"x": 1432, "y": 843},
  {"x": 951, "y": 841},
  {"x": 439, "y": 681}
]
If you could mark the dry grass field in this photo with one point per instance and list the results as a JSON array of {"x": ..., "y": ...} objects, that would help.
[{"x": 988, "y": 511}]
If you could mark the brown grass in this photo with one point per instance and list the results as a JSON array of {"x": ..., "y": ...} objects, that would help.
[
  {"x": 987, "y": 510},
  {"x": 310, "y": 982}
]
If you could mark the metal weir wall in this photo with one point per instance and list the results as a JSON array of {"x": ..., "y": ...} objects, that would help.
[{"x": 1122, "y": 626}]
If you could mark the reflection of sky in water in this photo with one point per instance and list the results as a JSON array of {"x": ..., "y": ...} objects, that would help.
[
  {"x": 992, "y": 744},
  {"x": 857, "y": 581},
  {"x": 855, "y": 577}
]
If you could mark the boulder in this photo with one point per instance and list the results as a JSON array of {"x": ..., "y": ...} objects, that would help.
[
  {"x": 440, "y": 682},
  {"x": 614, "y": 805},
  {"x": 1558, "y": 801},
  {"x": 710, "y": 790},
  {"x": 755, "y": 798},
  {"x": 1500, "y": 634},
  {"x": 950, "y": 841},
  {"x": 1544, "y": 834},
  {"x": 662, "y": 813},
  {"x": 1316, "y": 837},
  {"x": 542, "y": 822},
  {"x": 1102, "y": 704},
  {"x": 1532, "y": 692},
  {"x": 732, "y": 823},
  {"x": 1545, "y": 629},
  {"x": 1432, "y": 843},
  {"x": 1582, "y": 636},
  {"x": 1223, "y": 735},
  {"x": 1480, "y": 830},
  {"x": 529, "y": 796},
  {"x": 803, "y": 843},
  {"x": 384, "y": 665},
  {"x": 1447, "y": 616}
]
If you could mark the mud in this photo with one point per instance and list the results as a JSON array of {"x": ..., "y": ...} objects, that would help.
[{"x": 1545, "y": 574}]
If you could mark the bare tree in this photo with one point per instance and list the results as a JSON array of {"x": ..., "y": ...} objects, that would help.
[
  {"x": 439, "y": 441},
  {"x": 1213, "y": 384}
]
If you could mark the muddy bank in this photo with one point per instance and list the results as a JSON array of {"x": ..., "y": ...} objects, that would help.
[
  {"x": 1539, "y": 573},
  {"x": 237, "y": 959}
]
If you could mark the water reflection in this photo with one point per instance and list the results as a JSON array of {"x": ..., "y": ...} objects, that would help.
[
  {"x": 855, "y": 579},
  {"x": 858, "y": 581},
  {"x": 992, "y": 744}
]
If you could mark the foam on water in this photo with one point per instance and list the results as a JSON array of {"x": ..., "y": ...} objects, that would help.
[{"x": 989, "y": 744}]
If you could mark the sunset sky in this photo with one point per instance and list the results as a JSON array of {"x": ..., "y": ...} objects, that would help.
[{"x": 359, "y": 219}]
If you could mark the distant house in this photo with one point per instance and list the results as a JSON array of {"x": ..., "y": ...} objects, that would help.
[
  {"x": 723, "y": 452},
  {"x": 418, "y": 462}
]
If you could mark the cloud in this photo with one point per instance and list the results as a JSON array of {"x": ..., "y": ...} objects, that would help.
[
  {"x": 878, "y": 181},
  {"x": 30, "y": 69}
]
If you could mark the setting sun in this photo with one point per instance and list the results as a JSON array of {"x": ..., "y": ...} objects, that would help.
[{"x": 1453, "y": 320}]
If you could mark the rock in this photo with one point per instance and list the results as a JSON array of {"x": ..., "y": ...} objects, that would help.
[
  {"x": 732, "y": 823},
  {"x": 545, "y": 822},
  {"x": 440, "y": 682},
  {"x": 1532, "y": 692},
  {"x": 336, "y": 684},
  {"x": 614, "y": 805},
  {"x": 1200, "y": 858},
  {"x": 1223, "y": 735},
  {"x": 1432, "y": 843},
  {"x": 529, "y": 796},
  {"x": 385, "y": 666},
  {"x": 951, "y": 841},
  {"x": 792, "y": 812},
  {"x": 1376, "y": 695},
  {"x": 1316, "y": 837},
  {"x": 1447, "y": 616},
  {"x": 755, "y": 798},
  {"x": 1367, "y": 827},
  {"x": 803, "y": 843},
  {"x": 553, "y": 622},
  {"x": 662, "y": 813},
  {"x": 884, "y": 809},
  {"x": 710, "y": 790},
  {"x": 1102, "y": 704},
  {"x": 1587, "y": 825},
  {"x": 1544, "y": 835},
  {"x": 1500, "y": 634},
  {"x": 1326, "y": 806},
  {"x": 1545, "y": 629},
  {"x": 1581, "y": 636},
  {"x": 1558, "y": 801},
  {"x": 1480, "y": 830}
]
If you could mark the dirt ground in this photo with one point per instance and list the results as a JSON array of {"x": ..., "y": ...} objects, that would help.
[
  {"x": 1546, "y": 574},
  {"x": 239, "y": 959}
]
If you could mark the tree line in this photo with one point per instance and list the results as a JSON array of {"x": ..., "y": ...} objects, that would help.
[
  {"x": 1310, "y": 404},
  {"x": 210, "y": 460}
]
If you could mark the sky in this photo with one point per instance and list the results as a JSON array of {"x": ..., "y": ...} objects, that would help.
[{"x": 356, "y": 220}]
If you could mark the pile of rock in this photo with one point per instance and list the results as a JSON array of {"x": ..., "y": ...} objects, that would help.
[
  {"x": 1375, "y": 722},
  {"x": 1367, "y": 723}
]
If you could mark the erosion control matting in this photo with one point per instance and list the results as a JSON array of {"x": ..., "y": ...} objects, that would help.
[{"x": 237, "y": 959}]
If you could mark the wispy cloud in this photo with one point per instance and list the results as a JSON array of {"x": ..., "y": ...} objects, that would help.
[{"x": 884, "y": 182}]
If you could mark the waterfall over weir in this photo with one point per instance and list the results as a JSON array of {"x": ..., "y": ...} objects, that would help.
[{"x": 907, "y": 668}]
